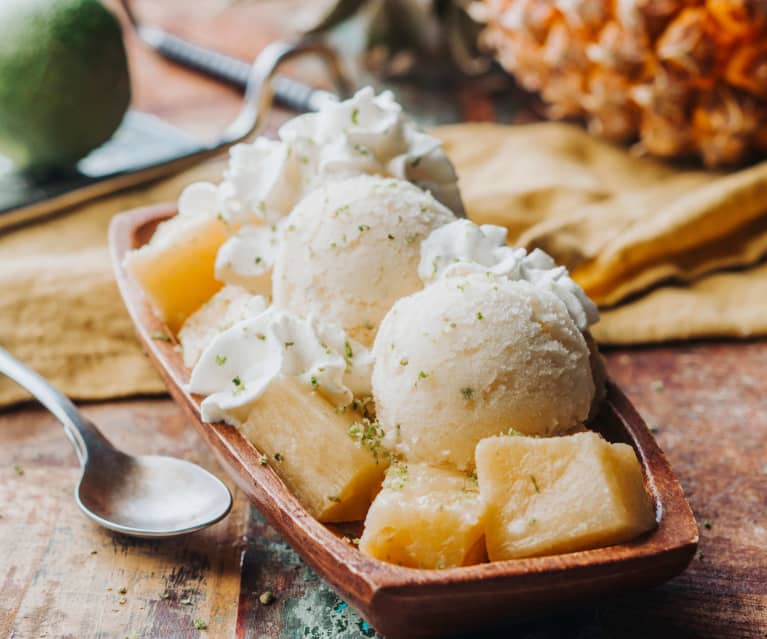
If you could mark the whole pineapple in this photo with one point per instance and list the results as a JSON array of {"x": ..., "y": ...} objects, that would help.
[{"x": 685, "y": 77}]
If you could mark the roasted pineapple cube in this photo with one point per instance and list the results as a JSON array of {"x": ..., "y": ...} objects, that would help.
[
  {"x": 227, "y": 307},
  {"x": 176, "y": 268},
  {"x": 559, "y": 494},
  {"x": 425, "y": 517},
  {"x": 315, "y": 449}
]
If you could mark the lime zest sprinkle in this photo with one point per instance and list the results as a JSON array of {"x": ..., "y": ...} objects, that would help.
[
  {"x": 396, "y": 477},
  {"x": 368, "y": 434}
]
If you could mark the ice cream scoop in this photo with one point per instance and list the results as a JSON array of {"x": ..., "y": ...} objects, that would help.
[
  {"x": 366, "y": 135},
  {"x": 473, "y": 356},
  {"x": 351, "y": 249}
]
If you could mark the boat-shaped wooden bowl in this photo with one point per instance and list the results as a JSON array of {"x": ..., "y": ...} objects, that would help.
[{"x": 411, "y": 602}]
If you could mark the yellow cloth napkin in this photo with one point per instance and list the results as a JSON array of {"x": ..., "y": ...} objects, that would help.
[
  {"x": 646, "y": 239},
  {"x": 623, "y": 225},
  {"x": 60, "y": 311}
]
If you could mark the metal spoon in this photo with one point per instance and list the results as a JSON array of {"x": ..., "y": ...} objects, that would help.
[{"x": 143, "y": 496}]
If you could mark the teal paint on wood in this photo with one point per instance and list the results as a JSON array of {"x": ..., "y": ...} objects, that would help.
[
  {"x": 321, "y": 614},
  {"x": 305, "y": 607}
]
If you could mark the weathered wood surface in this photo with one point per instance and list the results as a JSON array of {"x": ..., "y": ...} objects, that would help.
[{"x": 707, "y": 400}]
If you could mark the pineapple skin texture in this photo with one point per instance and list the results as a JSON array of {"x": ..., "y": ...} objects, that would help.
[
  {"x": 546, "y": 496},
  {"x": 426, "y": 517},
  {"x": 306, "y": 442},
  {"x": 684, "y": 77},
  {"x": 176, "y": 268}
]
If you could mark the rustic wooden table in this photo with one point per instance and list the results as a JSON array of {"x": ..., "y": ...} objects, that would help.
[{"x": 60, "y": 576}]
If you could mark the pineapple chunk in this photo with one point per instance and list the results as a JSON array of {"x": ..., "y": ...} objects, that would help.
[
  {"x": 227, "y": 307},
  {"x": 560, "y": 494},
  {"x": 175, "y": 269},
  {"x": 425, "y": 517},
  {"x": 307, "y": 442}
]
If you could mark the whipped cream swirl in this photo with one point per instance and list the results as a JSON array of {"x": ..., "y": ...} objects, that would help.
[
  {"x": 371, "y": 134},
  {"x": 367, "y": 134},
  {"x": 240, "y": 363},
  {"x": 463, "y": 247},
  {"x": 249, "y": 254}
]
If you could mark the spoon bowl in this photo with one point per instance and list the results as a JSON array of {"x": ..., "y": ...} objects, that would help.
[{"x": 151, "y": 495}]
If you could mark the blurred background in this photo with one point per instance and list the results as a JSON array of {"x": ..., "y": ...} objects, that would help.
[{"x": 677, "y": 79}]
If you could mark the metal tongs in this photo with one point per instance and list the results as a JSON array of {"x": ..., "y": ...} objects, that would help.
[
  {"x": 145, "y": 147},
  {"x": 289, "y": 93}
]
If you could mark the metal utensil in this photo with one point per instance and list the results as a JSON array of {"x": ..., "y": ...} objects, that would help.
[
  {"x": 141, "y": 496},
  {"x": 289, "y": 93}
]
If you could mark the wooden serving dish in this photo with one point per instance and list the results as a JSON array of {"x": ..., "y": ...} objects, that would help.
[{"x": 411, "y": 602}]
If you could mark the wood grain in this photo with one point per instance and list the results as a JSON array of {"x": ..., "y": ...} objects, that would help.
[
  {"x": 712, "y": 398},
  {"x": 708, "y": 404},
  {"x": 422, "y": 603},
  {"x": 61, "y": 575}
]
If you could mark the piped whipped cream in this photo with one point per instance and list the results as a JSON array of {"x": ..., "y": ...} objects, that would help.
[
  {"x": 371, "y": 134},
  {"x": 230, "y": 305},
  {"x": 367, "y": 134},
  {"x": 249, "y": 254},
  {"x": 240, "y": 363},
  {"x": 263, "y": 181},
  {"x": 463, "y": 247},
  {"x": 199, "y": 199}
]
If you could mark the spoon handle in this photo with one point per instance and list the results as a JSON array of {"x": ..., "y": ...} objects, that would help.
[{"x": 80, "y": 431}]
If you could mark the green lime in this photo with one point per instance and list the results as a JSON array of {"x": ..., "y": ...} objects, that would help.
[{"x": 64, "y": 84}]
